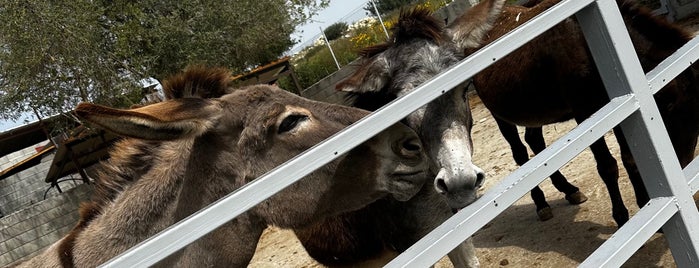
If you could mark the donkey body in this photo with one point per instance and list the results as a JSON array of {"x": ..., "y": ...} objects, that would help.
[{"x": 185, "y": 153}]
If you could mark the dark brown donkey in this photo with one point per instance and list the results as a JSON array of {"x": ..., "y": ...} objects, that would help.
[
  {"x": 549, "y": 80},
  {"x": 185, "y": 153},
  {"x": 552, "y": 79}
]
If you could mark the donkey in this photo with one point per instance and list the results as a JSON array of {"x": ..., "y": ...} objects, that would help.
[
  {"x": 444, "y": 127},
  {"x": 183, "y": 153},
  {"x": 520, "y": 88},
  {"x": 550, "y": 79}
]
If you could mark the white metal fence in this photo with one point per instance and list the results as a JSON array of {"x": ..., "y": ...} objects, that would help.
[{"x": 632, "y": 107}]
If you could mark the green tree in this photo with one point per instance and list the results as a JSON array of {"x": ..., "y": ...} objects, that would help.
[
  {"x": 54, "y": 54},
  {"x": 385, "y": 6},
  {"x": 335, "y": 30}
]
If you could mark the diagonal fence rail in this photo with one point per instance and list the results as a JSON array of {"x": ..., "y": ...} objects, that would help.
[{"x": 631, "y": 107}]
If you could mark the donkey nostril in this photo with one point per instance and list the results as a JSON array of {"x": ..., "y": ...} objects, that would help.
[
  {"x": 441, "y": 186},
  {"x": 411, "y": 148},
  {"x": 480, "y": 177},
  {"x": 412, "y": 145}
]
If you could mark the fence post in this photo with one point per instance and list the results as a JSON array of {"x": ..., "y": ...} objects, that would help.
[
  {"x": 327, "y": 42},
  {"x": 380, "y": 20},
  {"x": 610, "y": 44}
]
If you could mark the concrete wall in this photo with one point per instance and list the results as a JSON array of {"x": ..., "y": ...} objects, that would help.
[
  {"x": 29, "y": 221},
  {"x": 27, "y": 187},
  {"x": 27, "y": 231}
]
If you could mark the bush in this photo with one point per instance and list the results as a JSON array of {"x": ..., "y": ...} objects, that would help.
[{"x": 335, "y": 30}]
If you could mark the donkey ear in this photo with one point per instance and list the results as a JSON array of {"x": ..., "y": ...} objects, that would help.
[
  {"x": 469, "y": 29},
  {"x": 167, "y": 120},
  {"x": 370, "y": 77}
]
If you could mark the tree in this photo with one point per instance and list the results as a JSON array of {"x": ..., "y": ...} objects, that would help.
[
  {"x": 335, "y": 30},
  {"x": 54, "y": 54},
  {"x": 385, "y": 6}
]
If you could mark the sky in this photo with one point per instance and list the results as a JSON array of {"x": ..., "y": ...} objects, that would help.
[
  {"x": 336, "y": 10},
  {"x": 9, "y": 124}
]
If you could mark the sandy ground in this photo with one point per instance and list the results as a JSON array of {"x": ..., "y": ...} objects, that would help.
[{"x": 517, "y": 238}]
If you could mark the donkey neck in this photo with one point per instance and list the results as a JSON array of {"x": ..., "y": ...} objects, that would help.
[
  {"x": 141, "y": 210},
  {"x": 210, "y": 174}
]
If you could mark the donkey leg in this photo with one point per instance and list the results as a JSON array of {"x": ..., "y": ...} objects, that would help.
[
  {"x": 519, "y": 153},
  {"x": 464, "y": 255},
  {"x": 609, "y": 171},
  {"x": 534, "y": 136},
  {"x": 412, "y": 220},
  {"x": 630, "y": 164}
]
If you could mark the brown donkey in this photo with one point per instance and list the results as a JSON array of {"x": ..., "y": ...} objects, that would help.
[
  {"x": 184, "y": 153},
  {"x": 553, "y": 79}
]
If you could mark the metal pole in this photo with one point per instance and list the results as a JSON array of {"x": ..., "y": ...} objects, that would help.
[
  {"x": 327, "y": 42},
  {"x": 380, "y": 20}
]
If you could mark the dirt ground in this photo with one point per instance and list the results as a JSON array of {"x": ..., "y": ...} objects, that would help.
[{"x": 517, "y": 238}]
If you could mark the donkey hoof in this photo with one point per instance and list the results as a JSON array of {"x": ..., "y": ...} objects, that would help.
[
  {"x": 545, "y": 214},
  {"x": 576, "y": 198}
]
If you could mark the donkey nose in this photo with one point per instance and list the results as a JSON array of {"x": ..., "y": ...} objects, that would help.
[
  {"x": 444, "y": 183},
  {"x": 411, "y": 147}
]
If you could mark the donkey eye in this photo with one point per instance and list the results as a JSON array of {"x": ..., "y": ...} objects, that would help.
[{"x": 290, "y": 122}]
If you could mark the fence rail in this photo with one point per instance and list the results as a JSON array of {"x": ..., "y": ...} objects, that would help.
[{"x": 631, "y": 107}]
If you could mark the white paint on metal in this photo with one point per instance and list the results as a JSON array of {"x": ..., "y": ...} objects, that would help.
[
  {"x": 470, "y": 219},
  {"x": 633, "y": 234},
  {"x": 691, "y": 173},
  {"x": 676, "y": 63}
]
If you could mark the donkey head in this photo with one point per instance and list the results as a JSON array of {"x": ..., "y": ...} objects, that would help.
[
  {"x": 420, "y": 49},
  {"x": 241, "y": 135}
]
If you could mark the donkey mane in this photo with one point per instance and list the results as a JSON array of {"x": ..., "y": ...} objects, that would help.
[
  {"x": 131, "y": 158},
  {"x": 198, "y": 81},
  {"x": 128, "y": 159},
  {"x": 413, "y": 23}
]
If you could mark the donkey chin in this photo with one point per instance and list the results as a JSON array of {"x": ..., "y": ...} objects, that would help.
[
  {"x": 407, "y": 181},
  {"x": 460, "y": 200}
]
